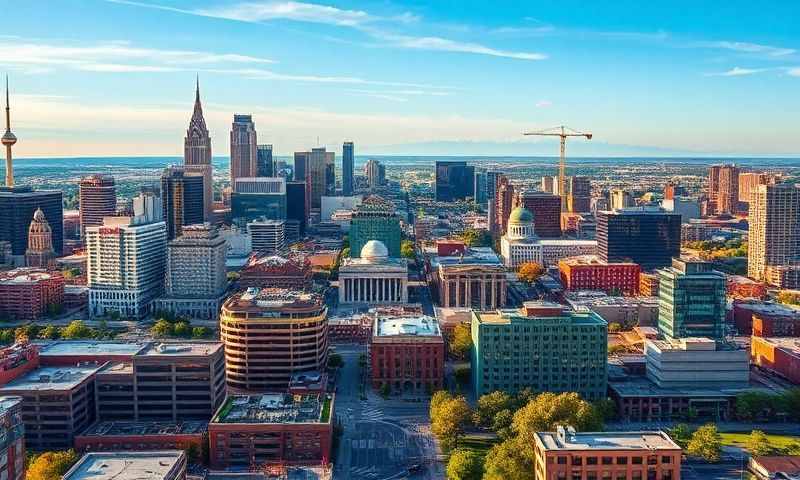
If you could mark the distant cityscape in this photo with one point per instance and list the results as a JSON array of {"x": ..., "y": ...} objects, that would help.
[{"x": 332, "y": 315}]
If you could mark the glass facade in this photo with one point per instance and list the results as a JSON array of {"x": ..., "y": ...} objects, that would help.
[
  {"x": 648, "y": 237},
  {"x": 246, "y": 207},
  {"x": 691, "y": 301}
]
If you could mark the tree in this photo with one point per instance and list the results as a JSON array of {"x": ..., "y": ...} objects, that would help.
[
  {"x": 76, "y": 330},
  {"x": 681, "y": 434},
  {"x": 606, "y": 408},
  {"x": 506, "y": 461},
  {"x": 758, "y": 444},
  {"x": 490, "y": 405},
  {"x": 752, "y": 405},
  {"x": 181, "y": 329},
  {"x": 476, "y": 238},
  {"x": 461, "y": 344},
  {"x": 706, "y": 443},
  {"x": 448, "y": 420},
  {"x": 464, "y": 465},
  {"x": 407, "y": 249},
  {"x": 51, "y": 465},
  {"x": 233, "y": 276},
  {"x": 614, "y": 327},
  {"x": 549, "y": 410},
  {"x": 162, "y": 328},
  {"x": 335, "y": 361},
  {"x": 530, "y": 272},
  {"x": 49, "y": 332},
  {"x": 199, "y": 332}
]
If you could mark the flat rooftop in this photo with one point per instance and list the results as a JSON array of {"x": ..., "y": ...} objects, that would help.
[
  {"x": 123, "y": 428},
  {"x": 90, "y": 347},
  {"x": 125, "y": 465},
  {"x": 256, "y": 299},
  {"x": 593, "y": 260},
  {"x": 473, "y": 256},
  {"x": 789, "y": 344},
  {"x": 633, "y": 386},
  {"x": 566, "y": 242},
  {"x": 8, "y": 402},
  {"x": 273, "y": 408},
  {"x": 51, "y": 378},
  {"x": 178, "y": 349},
  {"x": 652, "y": 440},
  {"x": 422, "y": 325},
  {"x": 507, "y": 316}
]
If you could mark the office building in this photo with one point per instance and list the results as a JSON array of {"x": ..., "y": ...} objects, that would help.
[
  {"x": 12, "y": 439},
  {"x": 125, "y": 266},
  {"x": 40, "y": 251},
  {"x": 648, "y": 284},
  {"x": 748, "y": 186},
  {"x": 619, "y": 198},
  {"x": 373, "y": 278},
  {"x": 316, "y": 169},
  {"x": 258, "y": 197},
  {"x": 244, "y": 150},
  {"x": 549, "y": 184},
  {"x": 648, "y": 236},
  {"x": 626, "y": 311},
  {"x": 18, "y": 205},
  {"x": 542, "y": 346},
  {"x": 292, "y": 272},
  {"x": 296, "y": 205},
  {"x": 300, "y": 166},
  {"x": 348, "y": 159},
  {"x": 723, "y": 189},
  {"x": 492, "y": 177},
  {"x": 196, "y": 276},
  {"x": 197, "y": 153},
  {"x": 375, "y": 173},
  {"x": 97, "y": 197},
  {"x": 147, "y": 207},
  {"x": 588, "y": 272},
  {"x": 271, "y": 334},
  {"x": 594, "y": 455},
  {"x": 579, "y": 194},
  {"x": 503, "y": 203},
  {"x": 697, "y": 363},
  {"x": 131, "y": 436},
  {"x": 773, "y": 255},
  {"x": 407, "y": 354},
  {"x": 268, "y": 236},
  {"x": 546, "y": 210},
  {"x": 691, "y": 300},
  {"x": 181, "y": 199},
  {"x": 688, "y": 208},
  {"x": 254, "y": 431},
  {"x": 30, "y": 293},
  {"x": 454, "y": 181},
  {"x": 480, "y": 186},
  {"x": 375, "y": 219},
  {"x": 778, "y": 355},
  {"x": 473, "y": 277},
  {"x": 265, "y": 165},
  {"x": 159, "y": 465}
]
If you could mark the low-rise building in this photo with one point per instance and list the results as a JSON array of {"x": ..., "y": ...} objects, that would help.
[
  {"x": 17, "y": 360},
  {"x": 292, "y": 271},
  {"x": 260, "y": 430},
  {"x": 475, "y": 279},
  {"x": 373, "y": 278},
  {"x": 114, "y": 436},
  {"x": 588, "y": 272},
  {"x": 66, "y": 353},
  {"x": 30, "y": 293},
  {"x": 626, "y": 311},
  {"x": 648, "y": 284},
  {"x": 12, "y": 439},
  {"x": 766, "y": 319},
  {"x": 774, "y": 467},
  {"x": 595, "y": 455},
  {"x": 161, "y": 465},
  {"x": 407, "y": 354},
  {"x": 696, "y": 362},
  {"x": 780, "y": 355}
]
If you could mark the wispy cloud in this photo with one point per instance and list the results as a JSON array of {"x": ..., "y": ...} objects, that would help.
[
  {"x": 297, "y": 11},
  {"x": 396, "y": 95},
  {"x": 544, "y": 104},
  {"x": 746, "y": 47},
  {"x": 447, "y": 45},
  {"x": 738, "y": 72},
  {"x": 794, "y": 72}
]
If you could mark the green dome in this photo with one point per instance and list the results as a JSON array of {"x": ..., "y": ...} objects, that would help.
[{"x": 520, "y": 215}]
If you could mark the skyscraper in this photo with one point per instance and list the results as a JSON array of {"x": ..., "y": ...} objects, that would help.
[
  {"x": 454, "y": 181},
  {"x": 257, "y": 197},
  {"x": 197, "y": 153},
  {"x": 648, "y": 236},
  {"x": 97, "y": 198},
  {"x": 619, "y": 198},
  {"x": 317, "y": 166},
  {"x": 691, "y": 300},
  {"x": 479, "y": 186},
  {"x": 579, "y": 194},
  {"x": 265, "y": 166},
  {"x": 748, "y": 186},
  {"x": 774, "y": 238},
  {"x": 300, "y": 166},
  {"x": 503, "y": 203},
  {"x": 374, "y": 173},
  {"x": 348, "y": 159},
  {"x": 40, "y": 242},
  {"x": 546, "y": 210},
  {"x": 244, "y": 154},
  {"x": 723, "y": 189},
  {"x": 181, "y": 199},
  {"x": 296, "y": 204}
]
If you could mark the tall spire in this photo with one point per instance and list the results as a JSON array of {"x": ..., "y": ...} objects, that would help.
[
  {"x": 9, "y": 140},
  {"x": 197, "y": 91}
]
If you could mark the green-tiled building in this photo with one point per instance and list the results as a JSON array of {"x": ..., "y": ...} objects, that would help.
[
  {"x": 691, "y": 300},
  {"x": 542, "y": 346},
  {"x": 375, "y": 219}
]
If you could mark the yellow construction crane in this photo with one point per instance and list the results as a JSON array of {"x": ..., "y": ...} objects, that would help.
[{"x": 562, "y": 132}]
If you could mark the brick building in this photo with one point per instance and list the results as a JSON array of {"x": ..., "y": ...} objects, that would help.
[
  {"x": 142, "y": 436},
  {"x": 17, "y": 360},
  {"x": 588, "y": 272},
  {"x": 12, "y": 439},
  {"x": 27, "y": 293},
  {"x": 780, "y": 355},
  {"x": 546, "y": 210},
  {"x": 293, "y": 272},
  {"x": 766, "y": 319}
]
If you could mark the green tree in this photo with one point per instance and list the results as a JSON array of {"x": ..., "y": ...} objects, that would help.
[
  {"x": 549, "y": 410},
  {"x": 162, "y": 328},
  {"x": 752, "y": 405},
  {"x": 681, "y": 434},
  {"x": 506, "y": 461},
  {"x": 49, "y": 332},
  {"x": 233, "y": 276},
  {"x": 182, "y": 329},
  {"x": 76, "y": 330},
  {"x": 199, "y": 332},
  {"x": 490, "y": 405},
  {"x": 51, "y": 465},
  {"x": 530, "y": 272},
  {"x": 461, "y": 343},
  {"x": 464, "y": 465},
  {"x": 449, "y": 420},
  {"x": 706, "y": 443},
  {"x": 335, "y": 361},
  {"x": 758, "y": 444},
  {"x": 407, "y": 249},
  {"x": 476, "y": 238},
  {"x": 606, "y": 408},
  {"x": 614, "y": 327}
]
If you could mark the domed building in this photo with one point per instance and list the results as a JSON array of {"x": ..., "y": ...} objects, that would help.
[
  {"x": 40, "y": 251},
  {"x": 373, "y": 279}
]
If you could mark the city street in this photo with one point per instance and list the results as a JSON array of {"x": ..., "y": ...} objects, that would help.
[{"x": 382, "y": 439}]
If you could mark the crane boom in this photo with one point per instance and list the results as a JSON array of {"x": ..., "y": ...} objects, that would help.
[{"x": 562, "y": 132}]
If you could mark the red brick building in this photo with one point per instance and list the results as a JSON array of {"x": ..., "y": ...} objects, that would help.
[
  {"x": 739, "y": 286},
  {"x": 546, "y": 210},
  {"x": 765, "y": 319},
  {"x": 293, "y": 272},
  {"x": 26, "y": 293},
  {"x": 780, "y": 355},
  {"x": 257, "y": 431},
  {"x": 143, "y": 436},
  {"x": 17, "y": 360},
  {"x": 450, "y": 247},
  {"x": 588, "y": 272},
  {"x": 12, "y": 447},
  {"x": 503, "y": 204},
  {"x": 407, "y": 354}
]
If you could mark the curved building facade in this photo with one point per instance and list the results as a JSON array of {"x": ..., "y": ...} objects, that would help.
[{"x": 271, "y": 334}]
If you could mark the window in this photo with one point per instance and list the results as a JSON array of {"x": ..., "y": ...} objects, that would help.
[
  {"x": 577, "y": 461},
  {"x": 636, "y": 460},
  {"x": 622, "y": 460},
  {"x": 608, "y": 460},
  {"x": 562, "y": 460},
  {"x": 666, "y": 459},
  {"x": 591, "y": 460}
]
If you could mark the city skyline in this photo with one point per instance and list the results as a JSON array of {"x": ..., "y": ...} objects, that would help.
[{"x": 403, "y": 78}]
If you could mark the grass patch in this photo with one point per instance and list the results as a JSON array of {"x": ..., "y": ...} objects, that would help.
[
  {"x": 326, "y": 410},
  {"x": 776, "y": 441},
  {"x": 479, "y": 445}
]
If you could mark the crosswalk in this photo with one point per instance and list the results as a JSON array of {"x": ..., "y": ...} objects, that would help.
[{"x": 372, "y": 413}]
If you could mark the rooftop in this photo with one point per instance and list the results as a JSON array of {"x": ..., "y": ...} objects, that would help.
[
  {"x": 273, "y": 298},
  {"x": 24, "y": 276},
  {"x": 473, "y": 256},
  {"x": 52, "y": 378},
  {"x": 508, "y": 316},
  {"x": 120, "y": 428},
  {"x": 653, "y": 440},
  {"x": 273, "y": 408},
  {"x": 639, "y": 386},
  {"x": 407, "y": 326},
  {"x": 125, "y": 465},
  {"x": 178, "y": 349},
  {"x": 8, "y": 402},
  {"x": 789, "y": 344},
  {"x": 90, "y": 347},
  {"x": 590, "y": 260}
]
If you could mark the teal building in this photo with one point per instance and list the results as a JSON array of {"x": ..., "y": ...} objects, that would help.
[
  {"x": 542, "y": 346},
  {"x": 375, "y": 219},
  {"x": 691, "y": 300}
]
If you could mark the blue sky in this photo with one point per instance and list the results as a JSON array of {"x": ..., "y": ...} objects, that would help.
[{"x": 116, "y": 77}]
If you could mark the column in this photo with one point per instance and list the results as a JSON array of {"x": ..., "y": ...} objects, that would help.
[
  {"x": 493, "y": 303},
  {"x": 380, "y": 290},
  {"x": 458, "y": 292},
  {"x": 467, "y": 291},
  {"x": 483, "y": 293}
]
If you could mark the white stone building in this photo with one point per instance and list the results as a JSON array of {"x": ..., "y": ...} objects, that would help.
[{"x": 373, "y": 279}]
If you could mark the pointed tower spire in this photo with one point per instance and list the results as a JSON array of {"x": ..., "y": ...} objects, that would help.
[
  {"x": 197, "y": 90},
  {"x": 9, "y": 140}
]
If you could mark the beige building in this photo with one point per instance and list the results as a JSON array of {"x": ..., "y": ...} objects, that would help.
[
  {"x": 774, "y": 236},
  {"x": 476, "y": 279},
  {"x": 374, "y": 278}
]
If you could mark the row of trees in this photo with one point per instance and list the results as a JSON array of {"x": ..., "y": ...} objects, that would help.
[
  {"x": 76, "y": 330},
  {"x": 714, "y": 250},
  {"x": 50, "y": 465},
  {"x": 764, "y": 406}
]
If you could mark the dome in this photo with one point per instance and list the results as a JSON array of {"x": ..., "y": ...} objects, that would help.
[
  {"x": 520, "y": 215},
  {"x": 38, "y": 215},
  {"x": 374, "y": 251}
]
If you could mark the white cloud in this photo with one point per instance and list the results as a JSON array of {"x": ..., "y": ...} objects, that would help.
[
  {"x": 738, "y": 72},
  {"x": 745, "y": 47},
  {"x": 447, "y": 45},
  {"x": 297, "y": 11},
  {"x": 794, "y": 72},
  {"x": 544, "y": 104}
]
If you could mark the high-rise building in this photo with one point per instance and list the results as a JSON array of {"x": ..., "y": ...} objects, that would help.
[
  {"x": 40, "y": 242},
  {"x": 18, "y": 205},
  {"x": 691, "y": 300},
  {"x": 181, "y": 199},
  {"x": 723, "y": 189},
  {"x": 271, "y": 334},
  {"x": 648, "y": 236},
  {"x": 348, "y": 160},
  {"x": 296, "y": 206},
  {"x": 619, "y": 198},
  {"x": 546, "y": 210},
  {"x": 197, "y": 153},
  {"x": 244, "y": 152},
  {"x": 195, "y": 280},
  {"x": 375, "y": 219},
  {"x": 454, "y": 181},
  {"x": 147, "y": 207},
  {"x": 548, "y": 184},
  {"x": 97, "y": 198},
  {"x": 773, "y": 254},
  {"x": 491, "y": 183},
  {"x": 542, "y": 346},
  {"x": 503, "y": 203},
  {"x": 300, "y": 166},
  {"x": 748, "y": 186},
  {"x": 268, "y": 235},
  {"x": 257, "y": 197},
  {"x": 265, "y": 165},
  {"x": 125, "y": 266},
  {"x": 479, "y": 186},
  {"x": 579, "y": 194},
  {"x": 375, "y": 173},
  {"x": 319, "y": 176}
]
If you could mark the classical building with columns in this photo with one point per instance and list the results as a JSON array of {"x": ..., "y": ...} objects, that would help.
[
  {"x": 374, "y": 278},
  {"x": 475, "y": 279}
]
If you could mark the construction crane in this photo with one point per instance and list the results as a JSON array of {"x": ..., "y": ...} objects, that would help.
[{"x": 562, "y": 132}]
